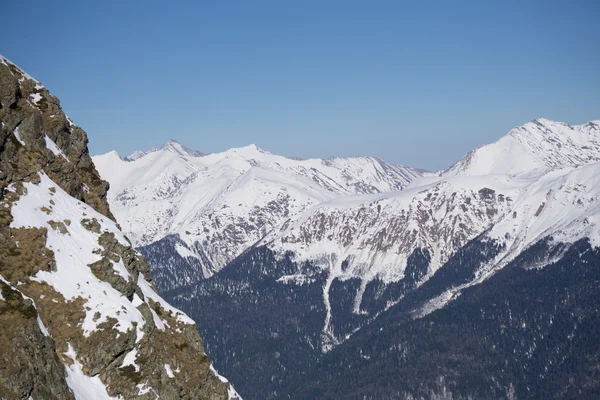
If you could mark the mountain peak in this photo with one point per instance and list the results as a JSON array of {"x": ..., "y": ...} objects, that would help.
[
  {"x": 249, "y": 151},
  {"x": 170, "y": 145},
  {"x": 538, "y": 145}
]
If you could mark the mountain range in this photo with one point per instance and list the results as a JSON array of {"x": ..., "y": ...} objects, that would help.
[
  {"x": 355, "y": 278},
  {"x": 210, "y": 208}
]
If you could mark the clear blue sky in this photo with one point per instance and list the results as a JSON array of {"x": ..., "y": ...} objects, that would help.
[{"x": 417, "y": 83}]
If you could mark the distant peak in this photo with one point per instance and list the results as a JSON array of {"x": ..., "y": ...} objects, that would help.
[
  {"x": 249, "y": 149},
  {"x": 176, "y": 147},
  {"x": 136, "y": 154},
  {"x": 546, "y": 122},
  {"x": 170, "y": 143},
  {"x": 538, "y": 145},
  {"x": 172, "y": 146}
]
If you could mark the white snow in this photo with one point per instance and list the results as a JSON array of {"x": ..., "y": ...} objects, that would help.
[
  {"x": 84, "y": 387},
  {"x": 73, "y": 253},
  {"x": 184, "y": 251},
  {"x": 121, "y": 270},
  {"x": 169, "y": 371},
  {"x": 149, "y": 293},
  {"x": 54, "y": 148},
  {"x": 42, "y": 326},
  {"x": 297, "y": 279},
  {"x": 130, "y": 360},
  {"x": 35, "y": 97},
  {"x": 564, "y": 203},
  {"x": 538, "y": 145},
  {"x": 143, "y": 389},
  {"x": 16, "y": 132}
]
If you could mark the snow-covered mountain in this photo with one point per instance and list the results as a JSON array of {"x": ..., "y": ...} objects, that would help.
[
  {"x": 539, "y": 145},
  {"x": 79, "y": 315},
  {"x": 346, "y": 264},
  {"x": 503, "y": 184},
  {"x": 541, "y": 165},
  {"x": 218, "y": 205}
]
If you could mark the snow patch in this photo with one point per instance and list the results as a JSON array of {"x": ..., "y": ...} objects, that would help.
[
  {"x": 54, "y": 148},
  {"x": 297, "y": 279},
  {"x": 42, "y": 327},
  {"x": 18, "y": 137},
  {"x": 74, "y": 253},
  {"x": 143, "y": 389},
  {"x": 120, "y": 269},
  {"x": 169, "y": 371},
  {"x": 184, "y": 251},
  {"x": 84, "y": 387},
  {"x": 130, "y": 360},
  {"x": 35, "y": 97}
]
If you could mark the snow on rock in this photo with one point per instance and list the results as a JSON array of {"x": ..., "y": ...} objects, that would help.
[
  {"x": 74, "y": 251},
  {"x": 169, "y": 371},
  {"x": 35, "y": 97},
  {"x": 25, "y": 75},
  {"x": 130, "y": 360},
  {"x": 375, "y": 234},
  {"x": 42, "y": 326},
  {"x": 149, "y": 293},
  {"x": 54, "y": 148},
  {"x": 184, "y": 251},
  {"x": 18, "y": 137},
  {"x": 39, "y": 320},
  {"x": 84, "y": 387},
  {"x": 231, "y": 392},
  {"x": 121, "y": 270},
  {"x": 143, "y": 389}
]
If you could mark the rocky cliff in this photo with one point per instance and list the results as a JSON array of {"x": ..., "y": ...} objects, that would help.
[{"x": 79, "y": 316}]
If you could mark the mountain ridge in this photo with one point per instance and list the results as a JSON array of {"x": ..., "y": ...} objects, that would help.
[
  {"x": 540, "y": 144},
  {"x": 242, "y": 192}
]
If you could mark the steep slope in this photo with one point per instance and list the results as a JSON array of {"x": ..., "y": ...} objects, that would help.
[
  {"x": 80, "y": 316},
  {"x": 529, "y": 332},
  {"x": 215, "y": 206}
]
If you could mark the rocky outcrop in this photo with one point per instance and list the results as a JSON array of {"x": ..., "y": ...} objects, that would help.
[
  {"x": 26, "y": 352},
  {"x": 78, "y": 311}
]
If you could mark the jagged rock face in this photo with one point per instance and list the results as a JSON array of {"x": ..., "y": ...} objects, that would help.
[
  {"x": 31, "y": 111},
  {"x": 79, "y": 314},
  {"x": 27, "y": 353}
]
